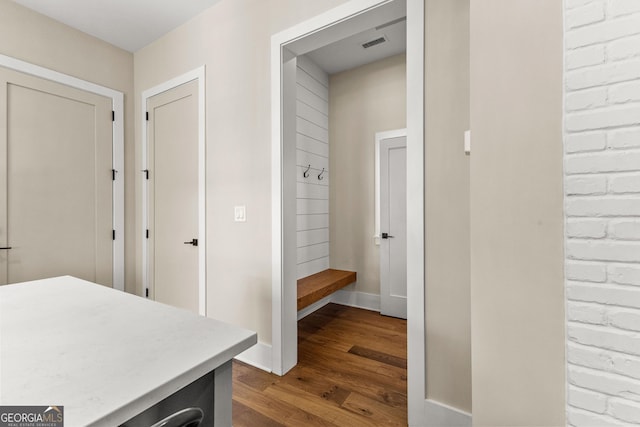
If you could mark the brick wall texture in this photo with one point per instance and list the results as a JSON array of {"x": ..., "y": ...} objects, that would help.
[{"x": 602, "y": 211}]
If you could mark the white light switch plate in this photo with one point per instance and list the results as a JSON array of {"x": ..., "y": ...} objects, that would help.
[{"x": 240, "y": 213}]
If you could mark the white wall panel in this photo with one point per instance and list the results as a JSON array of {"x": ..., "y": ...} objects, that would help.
[
  {"x": 312, "y": 130},
  {"x": 310, "y": 206},
  {"x": 305, "y": 80},
  {"x": 313, "y": 191},
  {"x": 313, "y": 175},
  {"x": 312, "y": 222},
  {"x": 312, "y": 237},
  {"x": 313, "y": 252},
  {"x": 317, "y": 162},
  {"x": 311, "y": 114},
  {"x": 308, "y": 268},
  {"x": 314, "y": 70},
  {"x": 312, "y": 146},
  {"x": 312, "y": 100},
  {"x": 312, "y": 143}
]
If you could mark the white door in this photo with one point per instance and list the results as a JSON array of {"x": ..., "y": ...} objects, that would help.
[
  {"x": 393, "y": 226},
  {"x": 173, "y": 196},
  {"x": 55, "y": 181}
]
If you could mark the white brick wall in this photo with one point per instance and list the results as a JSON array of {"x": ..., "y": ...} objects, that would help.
[{"x": 602, "y": 209}]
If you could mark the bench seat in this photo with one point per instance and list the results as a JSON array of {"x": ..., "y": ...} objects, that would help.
[{"x": 317, "y": 286}]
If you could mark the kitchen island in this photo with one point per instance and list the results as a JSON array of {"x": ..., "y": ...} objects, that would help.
[{"x": 108, "y": 356}]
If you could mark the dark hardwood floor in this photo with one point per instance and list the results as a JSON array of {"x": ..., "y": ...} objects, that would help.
[{"x": 352, "y": 371}]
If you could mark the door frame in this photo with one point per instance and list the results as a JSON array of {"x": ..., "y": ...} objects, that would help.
[
  {"x": 199, "y": 75},
  {"x": 284, "y": 333},
  {"x": 117, "y": 104}
]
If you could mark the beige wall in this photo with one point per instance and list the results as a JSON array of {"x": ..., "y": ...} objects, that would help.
[
  {"x": 447, "y": 306},
  {"x": 232, "y": 39},
  {"x": 516, "y": 213},
  {"x": 362, "y": 101},
  {"x": 34, "y": 38}
]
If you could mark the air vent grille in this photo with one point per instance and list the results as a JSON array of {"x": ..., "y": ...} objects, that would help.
[{"x": 374, "y": 42}]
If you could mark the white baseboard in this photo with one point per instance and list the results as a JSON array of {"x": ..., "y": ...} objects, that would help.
[
  {"x": 344, "y": 297},
  {"x": 313, "y": 307},
  {"x": 258, "y": 356},
  {"x": 357, "y": 299},
  {"x": 441, "y": 415}
]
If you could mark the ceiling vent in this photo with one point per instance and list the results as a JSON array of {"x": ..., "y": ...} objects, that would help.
[{"x": 374, "y": 42}]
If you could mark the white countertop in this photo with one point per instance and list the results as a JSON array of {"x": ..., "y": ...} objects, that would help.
[{"x": 103, "y": 354}]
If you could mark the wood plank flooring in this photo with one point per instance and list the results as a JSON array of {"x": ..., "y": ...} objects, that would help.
[{"x": 352, "y": 371}]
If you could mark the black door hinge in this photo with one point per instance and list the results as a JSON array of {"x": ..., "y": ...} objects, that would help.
[
  {"x": 146, "y": 292},
  {"x": 114, "y": 234},
  {"x": 113, "y": 116},
  {"x": 147, "y": 116},
  {"x": 147, "y": 233},
  {"x": 113, "y": 174},
  {"x": 146, "y": 172}
]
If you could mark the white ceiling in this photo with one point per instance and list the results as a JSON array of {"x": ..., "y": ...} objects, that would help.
[
  {"x": 133, "y": 24},
  {"x": 128, "y": 24},
  {"x": 348, "y": 53}
]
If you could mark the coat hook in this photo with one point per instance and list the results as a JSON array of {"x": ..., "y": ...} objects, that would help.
[
  {"x": 320, "y": 177},
  {"x": 306, "y": 173}
]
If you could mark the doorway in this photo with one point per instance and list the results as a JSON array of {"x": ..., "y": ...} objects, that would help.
[
  {"x": 334, "y": 25},
  {"x": 173, "y": 176},
  {"x": 62, "y": 180}
]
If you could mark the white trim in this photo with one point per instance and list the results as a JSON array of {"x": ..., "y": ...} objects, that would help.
[
  {"x": 276, "y": 206},
  {"x": 258, "y": 356},
  {"x": 441, "y": 415},
  {"x": 416, "y": 345},
  {"x": 302, "y": 313},
  {"x": 117, "y": 99},
  {"x": 397, "y": 133},
  {"x": 565, "y": 236},
  {"x": 314, "y": 25},
  {"x": 357, "y": 299},
  {"x": 199, "y": 75},
  {"x": 346, "y": 297}
]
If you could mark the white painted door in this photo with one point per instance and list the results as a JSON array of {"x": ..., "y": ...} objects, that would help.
[
  {"x": 55, "y": 181},
  {"x": 173, "y": 196},
  {"x": 393, "y": 227}
]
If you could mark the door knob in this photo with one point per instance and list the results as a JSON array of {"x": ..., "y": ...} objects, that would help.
[
  {"x": 193, "y": 242},
  {"x": 386, "y": 236},
  {"x": 6, "y": 247}
]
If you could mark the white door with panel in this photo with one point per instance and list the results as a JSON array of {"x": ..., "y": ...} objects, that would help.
[
  {"x": 172, "y": 132},
  {"x": 56, "y": 189},
  {"x": 393, "y": 226}
]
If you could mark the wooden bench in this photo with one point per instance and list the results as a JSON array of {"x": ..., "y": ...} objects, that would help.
[{"x": 317, "y": 286}]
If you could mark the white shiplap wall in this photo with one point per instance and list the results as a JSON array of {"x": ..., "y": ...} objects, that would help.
[{"x": 312, "y": 148}]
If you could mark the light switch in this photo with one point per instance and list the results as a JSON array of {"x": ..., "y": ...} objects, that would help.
[
  {"x": 467, "y": 142},
  {"x": 240, "y": 213}
]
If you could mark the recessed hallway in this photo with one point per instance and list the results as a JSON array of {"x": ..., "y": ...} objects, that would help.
[{"x": 352, "y": 371}]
